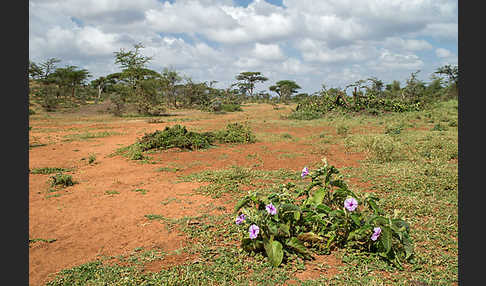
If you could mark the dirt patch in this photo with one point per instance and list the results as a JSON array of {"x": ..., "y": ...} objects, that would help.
[
  {"x": 323, "y": 265},
  {"x": 103, "y": 215}
]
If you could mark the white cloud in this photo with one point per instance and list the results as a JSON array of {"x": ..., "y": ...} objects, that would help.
[
  {"x": 315, "y": 50},
  {"x": 407, "y": 44},
  {"x": 443, "y": 53},
  {"x": 391, "y": 61},
  {"x": 269, "y": 52},
  {"x": 335, "y": 42}
]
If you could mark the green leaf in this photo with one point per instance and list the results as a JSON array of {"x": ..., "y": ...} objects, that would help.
[
  {"x": 356, "y": 219},
  {"x": 296, "y": 216},
  {"x": 310, "y": 237},
  {"x": 338, "y": 183},
  {"x": 251, "y": 244},
  {"x": 318, "y": 196},
  {"x": 386, "y": 238},
  {"x": 378, "y": 220},
  {"x": 371, "y": 202},
  {"x": 323, "y": 208},
  {"x": 272, "y": 228},
  {"x": 242, "y": 203},
  {"x": 401, "y": 224},
  {"x": 284, "y": 230},
  {"x": 408, "y": 246},
  {"x": 274, "y": 251},
  {"x": 298, "y": 246}
]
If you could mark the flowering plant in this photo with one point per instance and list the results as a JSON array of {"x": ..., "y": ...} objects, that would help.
[{"x": 323, "y": 216}]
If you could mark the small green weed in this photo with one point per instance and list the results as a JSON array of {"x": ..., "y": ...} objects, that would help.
[
  {"x": 154, "y": 217},
  {"x": 61, "y": 179},
  {"x": 34, "y": 240},
  {"x": 48, "y": 170},
  {"x": 88, "y": 135},
  {"x": 142, "y": 191},
  {"x": 111, "y": 192},
  {"x": 439, "y": 127},
  {"x": 91, "y": 158},
  {"x": 167, "y": 169}
]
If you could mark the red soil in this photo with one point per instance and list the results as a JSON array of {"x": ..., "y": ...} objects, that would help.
[{"x": 87, "y": 223}]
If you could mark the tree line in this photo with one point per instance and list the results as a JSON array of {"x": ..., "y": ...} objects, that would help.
[{"x": 153, "y": 93}]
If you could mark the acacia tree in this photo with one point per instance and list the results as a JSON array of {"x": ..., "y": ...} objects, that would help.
[
  {"x": 70, "y": 77},
  {"x": 247, "y": 81},
  {"x": 48, "y": 67},
  {"x": 141, "y": 81},
  {"x": 452, "y": 74},
  {"x": 170, "y": 78},
  {"x": 285, "y": 89},
  {"x": 100, "y": 84},
  {"x": 35, "y": 71}
]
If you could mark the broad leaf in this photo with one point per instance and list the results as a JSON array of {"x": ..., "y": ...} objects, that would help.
[
  {"x": 318, "y": 196},
  {"x": 272, "y": 228},
  {"x": 386, "y": 238},
  {"x": 408, "y": 246},
  {"x": 274, "y": 251}
]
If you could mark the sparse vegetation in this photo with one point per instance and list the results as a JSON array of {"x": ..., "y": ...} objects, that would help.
[
  {"x": 48, "y": 170},
  {"x": 63, "y": 180},
  {"x": 401, "y": 150}
]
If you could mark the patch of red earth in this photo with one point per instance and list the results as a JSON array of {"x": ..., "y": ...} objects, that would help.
[
  {"x": 323, "y": 266},
  {"x": 86, "y": 222}
]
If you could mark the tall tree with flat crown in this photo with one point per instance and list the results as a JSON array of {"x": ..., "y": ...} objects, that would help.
[
  {"x": 285, "y": 89},
  {"x": 247, "y": 81}
]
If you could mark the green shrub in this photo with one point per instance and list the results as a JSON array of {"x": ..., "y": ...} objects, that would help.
[
  {"x": 178, "y": 136},
  {"x": 62, "y": 180},
  {"x": 235, "y": 133},
  {"x": 175, "y": 137},
  {"x": 322, "y": 216},
  {"x": 383, "y": 149},
  {"x": 230, "y": 107}
]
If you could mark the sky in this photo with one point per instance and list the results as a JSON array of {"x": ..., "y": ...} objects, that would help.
[{"x": 314, "y": 43}]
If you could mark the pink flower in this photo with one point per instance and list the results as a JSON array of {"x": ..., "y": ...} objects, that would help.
[
  {"x": 271, "y": 209},
  {"x": 241, "y": 218},
  {"x": 305, "y": 172},
  {"x": 254, "y": 230},
  {"x": 376, "y": 233},
  {"x": 350, "y": 204}
]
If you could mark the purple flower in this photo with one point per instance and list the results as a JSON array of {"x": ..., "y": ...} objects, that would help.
[
  {"x": 305, "y": 172},
  {"x": 271, "y": 209},
  {"x": 254, "y": 230},
  {"x": 241, "y": 218},
  {"x": 376, "y": 233},
  {"x": 350, "y": 204}
]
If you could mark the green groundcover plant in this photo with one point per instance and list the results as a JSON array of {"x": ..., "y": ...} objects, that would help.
[
  {"x": 319, "y": 218},
  {"x": 178, "y": 136}
]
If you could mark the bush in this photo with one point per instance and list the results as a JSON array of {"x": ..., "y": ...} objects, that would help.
[
  {"x": 235, "y": 133},
  {"x": 62, "y": 179},
  {"x": 231, "y": 107},
  {"x": 178, "y": 136},
  {"x": 323, "y": 216}
]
